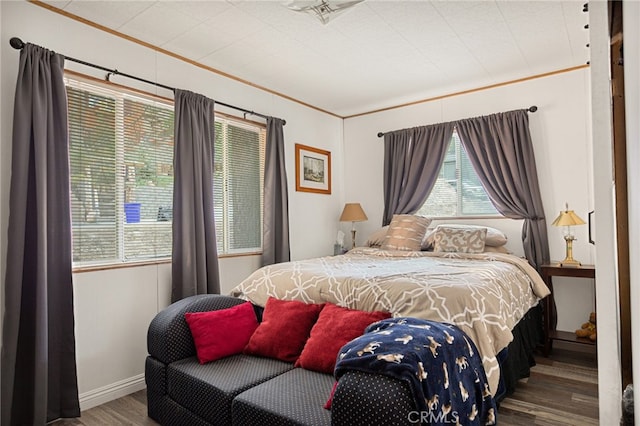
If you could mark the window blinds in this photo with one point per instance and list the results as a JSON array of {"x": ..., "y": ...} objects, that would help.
[
  {"x": 121, "y": 163},
  {"x": 238, "y": 185}
]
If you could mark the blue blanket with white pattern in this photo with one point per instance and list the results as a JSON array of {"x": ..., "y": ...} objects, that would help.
[{"x": 441, "y": 364}]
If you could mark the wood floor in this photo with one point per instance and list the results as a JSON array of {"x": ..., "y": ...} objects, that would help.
[
  {"x": 128, "y": 410},
  {"x": 562, "y": 390}
]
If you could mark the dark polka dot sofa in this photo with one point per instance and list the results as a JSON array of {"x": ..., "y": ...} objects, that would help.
[{"x": 246, "y": 390}]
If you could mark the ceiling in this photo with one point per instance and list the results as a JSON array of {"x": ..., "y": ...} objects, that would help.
[{"x": 377, "y": 54}]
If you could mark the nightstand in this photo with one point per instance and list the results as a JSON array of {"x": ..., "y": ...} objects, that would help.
[{"x": 550, "y": 314}]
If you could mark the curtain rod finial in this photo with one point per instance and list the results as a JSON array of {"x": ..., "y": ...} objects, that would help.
[
  {"x": 16, "y": 43},
  {"x": 533, "y": 108},
  {"x": 380, "y": 134}
]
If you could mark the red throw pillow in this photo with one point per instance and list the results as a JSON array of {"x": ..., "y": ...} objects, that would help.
[
  {"x": 221, "y": 333},
  {"x": 335, "y": 327},
  {"x": 284, "y": 329}
]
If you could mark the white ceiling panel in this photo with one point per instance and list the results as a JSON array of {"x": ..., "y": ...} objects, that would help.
[
  {"x": 199, "y": 42},
  {"x": 377, "y": 54},
  {"x": 200, "y": 10},
  {"x": 235, "y": 56},
  {"x": 103, "y": 14},
  {"x": 157, "y": 24},
  {"x": 523, "y": 9},
  {"x": 60, "y": 4},
  {"x": 467, "y": 16}
]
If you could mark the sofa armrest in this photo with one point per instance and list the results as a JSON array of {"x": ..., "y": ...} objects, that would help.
[
  {"x": 169, "y": 338},
  {"x": 377, "y": 399}
]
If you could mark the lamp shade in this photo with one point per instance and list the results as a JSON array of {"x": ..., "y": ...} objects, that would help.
[
  {"x": 353, "y": 212},
  {"x": 568, "y": 218}
]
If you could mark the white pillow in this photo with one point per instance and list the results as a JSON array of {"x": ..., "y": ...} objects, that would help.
[{"x": 498, "y": 249}]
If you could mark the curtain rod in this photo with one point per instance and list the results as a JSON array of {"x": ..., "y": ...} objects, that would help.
[
  {"x": 532, "y": 108},
  {"x": 18, "y": 44}
]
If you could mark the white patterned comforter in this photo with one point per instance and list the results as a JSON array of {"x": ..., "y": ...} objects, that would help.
[{"x": 483, "y": 294}]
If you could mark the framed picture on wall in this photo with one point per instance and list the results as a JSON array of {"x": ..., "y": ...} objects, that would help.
[{"x": 313, "y": 169}]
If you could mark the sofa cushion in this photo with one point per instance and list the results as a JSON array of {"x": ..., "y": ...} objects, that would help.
[
  {"x": 335, "y": 327},
  {"x": 296, "y": 397},
  {"x": 207, "y": 390},
  {"x": 284, "y": 329},
  {"x": 217, "y": 334}
]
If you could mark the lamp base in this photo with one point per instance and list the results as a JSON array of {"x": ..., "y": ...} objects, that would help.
[{"x": 569, "y": 263}]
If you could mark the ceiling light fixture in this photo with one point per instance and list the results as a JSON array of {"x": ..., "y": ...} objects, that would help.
[{"x": 322, "y": 9}]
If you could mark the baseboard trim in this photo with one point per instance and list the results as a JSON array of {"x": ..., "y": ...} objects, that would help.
[{"x": 110, "y": 392}]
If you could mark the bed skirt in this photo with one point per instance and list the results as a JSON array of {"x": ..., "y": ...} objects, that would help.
[{"x": 517, "y": 359}]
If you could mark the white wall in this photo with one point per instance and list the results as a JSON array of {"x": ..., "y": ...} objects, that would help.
[
  {"x": 609, "y": 369},
  {"x": 631, "y": 24},
  {"x": 561, "y": 138},
  {"x": 114, "y": 307}
]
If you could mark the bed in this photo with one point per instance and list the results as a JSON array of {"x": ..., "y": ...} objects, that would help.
[{"x": 485, "y": 294}]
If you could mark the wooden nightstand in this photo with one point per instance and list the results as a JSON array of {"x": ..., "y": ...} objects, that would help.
[{"x": 550, "y": 315}]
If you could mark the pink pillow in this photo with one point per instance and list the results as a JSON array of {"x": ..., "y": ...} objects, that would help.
[
  {"x": 221, "y": 333},
  {"x": 335, "y": 327},
  {"x": 284, "y": 329}
]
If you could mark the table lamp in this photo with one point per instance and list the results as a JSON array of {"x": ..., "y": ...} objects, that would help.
[
  {"x": 353, "y": 213},
  {"x": 568, "y": 218}
]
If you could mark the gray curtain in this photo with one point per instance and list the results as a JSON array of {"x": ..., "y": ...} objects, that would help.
[
  {"x": 194, "y": 267},
  {"x": 39, "y": 382},
  {"x": 412, "y": 161},
  {"x": 275, "y": 240},
  {"x": 500, "y": 149}
]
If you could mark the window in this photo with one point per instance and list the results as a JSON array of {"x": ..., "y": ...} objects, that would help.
[
  {"x": 121, "y": 166},
  {"x": 238, "y": 185},
  {"x": 457, "y": 191}
]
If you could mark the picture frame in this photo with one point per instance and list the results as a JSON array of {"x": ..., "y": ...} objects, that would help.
[{"x": 313, "y": 169}]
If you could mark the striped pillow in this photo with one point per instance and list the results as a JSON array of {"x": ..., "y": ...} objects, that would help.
[{"x": 406, "y": 232}]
